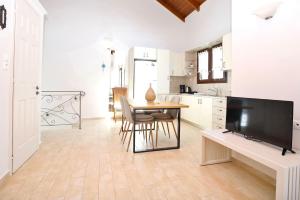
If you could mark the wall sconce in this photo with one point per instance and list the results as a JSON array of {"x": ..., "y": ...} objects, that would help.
[
  {"x": 103, "y": 66},
  {"x": 3, "y": 15},
  {"x": 268, "y": 9}
]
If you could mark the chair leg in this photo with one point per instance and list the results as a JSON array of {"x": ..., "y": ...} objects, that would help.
[
  {"x": 143, "y": 131},
  {"x": 122, "y": 127},
  {"x": 162, "y": 124},
  {"x": 151, "y": 134},
  {"x": 126, "y": 132},
  {"x": 115, "y": 115},
  {"x": 168, "y": 129},
  {"x": 146, "y": 133},
  {"x": 120, "y": 130},
  {"x": 156, "y": 138},
  {"x": 129, "y": 139},
  {"x": 174, "y": 129},
  {"x": 140, "y": 128}
]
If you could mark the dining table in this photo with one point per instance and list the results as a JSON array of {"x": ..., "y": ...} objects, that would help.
[{"x": 145, "y": 106}]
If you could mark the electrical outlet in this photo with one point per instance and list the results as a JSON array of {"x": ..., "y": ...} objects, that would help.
[{"x": 297, "y": 124}]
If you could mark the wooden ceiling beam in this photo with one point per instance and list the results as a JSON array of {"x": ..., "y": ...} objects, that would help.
[
  {"x": 195, "y": 4},
  {"x": 171, "y": 8}
]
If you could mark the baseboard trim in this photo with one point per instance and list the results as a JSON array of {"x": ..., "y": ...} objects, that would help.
[
  {"x": 4, "y": 178},
  {"x": 191, "y": 123}
]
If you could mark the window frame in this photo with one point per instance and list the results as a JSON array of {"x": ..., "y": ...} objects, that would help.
[{"x": 210, "y": 66}]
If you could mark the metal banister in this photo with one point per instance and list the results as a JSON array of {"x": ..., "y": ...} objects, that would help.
[{"x": 60, "y": 108}]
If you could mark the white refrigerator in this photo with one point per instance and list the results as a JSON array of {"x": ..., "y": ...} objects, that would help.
[{"x": 145, "y": 73}]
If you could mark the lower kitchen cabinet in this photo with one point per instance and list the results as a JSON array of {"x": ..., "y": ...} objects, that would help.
[
  {"x": 206, "y": 112},
  {"x": 219, "y": 113},
  {"x": 199, "y": 111}
]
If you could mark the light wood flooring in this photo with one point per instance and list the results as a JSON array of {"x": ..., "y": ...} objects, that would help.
[{"x": 92, "y": 164}]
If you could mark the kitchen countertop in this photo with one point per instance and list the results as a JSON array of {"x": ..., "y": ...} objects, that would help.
[{"x": 196, "y": 95}]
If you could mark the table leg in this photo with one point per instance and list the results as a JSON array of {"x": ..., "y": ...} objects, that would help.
[
  {"x": 133, "y": 128},
  {"x": 178, "y": 128},
  {"x": 163, "y": 148}
]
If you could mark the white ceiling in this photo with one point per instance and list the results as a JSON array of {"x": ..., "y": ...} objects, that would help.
[{"x": 134, "y": 22}]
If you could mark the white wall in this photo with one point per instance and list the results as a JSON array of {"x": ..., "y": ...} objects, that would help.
[
  {"x": 74, "y": 33},
  {"x": 6, "y": 39},
  {"x": 210, "y": 24},
  {"x": 75, "y": 29},
  {"x": 206, "y": 27},
  {"x": 266, "y": 61}
]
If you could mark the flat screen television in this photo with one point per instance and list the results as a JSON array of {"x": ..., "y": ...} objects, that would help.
[{"x": 270, "y": 121}]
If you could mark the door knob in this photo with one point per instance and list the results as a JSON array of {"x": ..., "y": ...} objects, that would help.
[
  {"x": 37, "y": 87},
  {"x": 37, "y": 93}
]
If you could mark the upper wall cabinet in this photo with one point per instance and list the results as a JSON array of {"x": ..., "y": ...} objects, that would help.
[
  {"x": 227, "y": 51},
  {"x": 163, "y": 71},
  {"x": 177, "y": 64},
  {"x": 145, "y": 53}
]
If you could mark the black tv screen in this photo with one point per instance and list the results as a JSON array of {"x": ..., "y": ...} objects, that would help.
[{"x": 270, "y": 121}]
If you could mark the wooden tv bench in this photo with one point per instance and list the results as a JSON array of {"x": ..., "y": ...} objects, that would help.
[{"x": 217, "y": 148}]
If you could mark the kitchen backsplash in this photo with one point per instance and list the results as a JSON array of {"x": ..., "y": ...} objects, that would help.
[
  {"x": 191, "y": 81},
  {"x": 175, "y": 81}
]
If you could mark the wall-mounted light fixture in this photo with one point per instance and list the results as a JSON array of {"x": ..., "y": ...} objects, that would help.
[
  {"x": 3, "y": 17},
  {"x": 103, "y": 66},
  {"x": 267, "y": 9}
]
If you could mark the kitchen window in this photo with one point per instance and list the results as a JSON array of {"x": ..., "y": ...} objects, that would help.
[{"x": 210, "y": 65}]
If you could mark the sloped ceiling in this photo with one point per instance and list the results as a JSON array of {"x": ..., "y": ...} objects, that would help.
[
  {"x": 76, "y": 24},
  {"x": 182, "y": 8}
]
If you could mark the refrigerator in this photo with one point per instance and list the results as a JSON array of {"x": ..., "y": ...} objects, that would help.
[{"x": 145, "y": 73}]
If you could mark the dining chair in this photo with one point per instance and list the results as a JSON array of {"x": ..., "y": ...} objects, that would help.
[
  {"x": 160, "y": 98},
  {"x": 117, "y": 93},
  {"x": 124, "y": 128},
  {"x": 124, "y": 121},
  {"x": 168, "y": 117},
  {"x": 142, "y": 120}
]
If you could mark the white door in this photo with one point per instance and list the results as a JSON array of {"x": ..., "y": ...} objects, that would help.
[{"x": 27, "y": 68}]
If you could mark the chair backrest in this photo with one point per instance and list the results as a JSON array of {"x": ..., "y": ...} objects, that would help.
[
  {"x": 162, "y": 98},
  {"x": 126, "y": 108},
  {"x": 118, "y": 92},
  {"x": 122, "y": 106},
  {"x": 172, "y": 112}
]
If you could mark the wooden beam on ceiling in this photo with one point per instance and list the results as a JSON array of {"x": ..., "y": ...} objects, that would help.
[
  {"x": 172, "y": 9},
  {"x": 195, "y": 4}
]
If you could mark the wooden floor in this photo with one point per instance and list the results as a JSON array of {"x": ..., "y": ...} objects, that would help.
[{"x": 92, "y": 164}]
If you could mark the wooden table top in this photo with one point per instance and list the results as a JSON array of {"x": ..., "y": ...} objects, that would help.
[{"x": 156, "y": 105}]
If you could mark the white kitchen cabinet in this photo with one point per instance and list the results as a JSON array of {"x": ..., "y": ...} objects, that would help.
[
  {"x": 163, "y": 71},
  {"x": 219, "y": 113},
  {"x": 177, "y": 64},
  {"x": 199, "y": 111},
  {"x": 205, "y": 112},
  {"x": 144, "y": 53},
  {"x": 227, "y": 51},
  {"x": 190, "y": 113}
]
